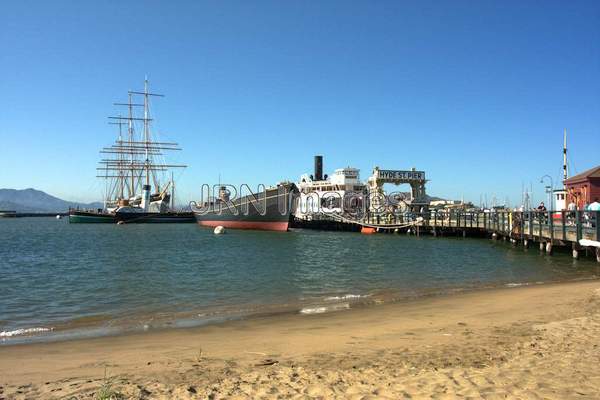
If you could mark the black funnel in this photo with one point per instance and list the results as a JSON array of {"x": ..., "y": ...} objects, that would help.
[{"x": 318, "y": 168}]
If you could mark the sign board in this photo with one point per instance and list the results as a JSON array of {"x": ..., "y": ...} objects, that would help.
[{"x": 391, "y": 175}]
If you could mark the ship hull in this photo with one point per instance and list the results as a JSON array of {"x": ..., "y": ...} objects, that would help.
[
  {"x": 88, "y": 217},
  {"x": 135, "y": 218},
  {"x": 270, "y": 211}
]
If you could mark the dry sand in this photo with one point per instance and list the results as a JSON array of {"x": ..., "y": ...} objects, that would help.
[{"x": 528, "y": 342}]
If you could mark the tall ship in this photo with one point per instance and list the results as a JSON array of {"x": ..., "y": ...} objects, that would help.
[
  {"x": 139, "y": 182},
  {"x": 269, "y": 209}
]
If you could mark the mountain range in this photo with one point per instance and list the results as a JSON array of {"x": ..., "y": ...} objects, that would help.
[{"x": 32, "y": 200}]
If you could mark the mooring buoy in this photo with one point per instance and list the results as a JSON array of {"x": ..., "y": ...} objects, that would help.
[{"x": 219, "y": 230}]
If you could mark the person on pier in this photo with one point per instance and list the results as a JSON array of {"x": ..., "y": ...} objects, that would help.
[{"x": 541, "y": 209}]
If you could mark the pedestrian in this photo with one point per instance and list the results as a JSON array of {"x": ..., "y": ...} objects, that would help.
[{"x": 541, "y": 209}]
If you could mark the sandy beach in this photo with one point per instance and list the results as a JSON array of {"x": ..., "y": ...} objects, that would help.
[{"x": 526, "y": 342}]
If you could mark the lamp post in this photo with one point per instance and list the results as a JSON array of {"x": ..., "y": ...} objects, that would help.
[{"x": 549, "y": 191}]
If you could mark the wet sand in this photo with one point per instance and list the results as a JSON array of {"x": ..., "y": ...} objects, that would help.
[{"x": 525, "y": 342}]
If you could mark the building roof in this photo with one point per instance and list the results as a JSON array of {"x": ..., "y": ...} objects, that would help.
[{"x": 590, "y": 173}]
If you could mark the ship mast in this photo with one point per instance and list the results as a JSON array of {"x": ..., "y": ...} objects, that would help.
[
  {"x": 565, "y": 171},
  {"x": 126, "y": 162},
  {"x": 121, "y": 179}
]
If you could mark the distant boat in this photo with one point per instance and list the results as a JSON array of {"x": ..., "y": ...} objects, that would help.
[
  {"x": 267, "y": 210},
  {"x": 133, "y": 168},
  {"x": 8, "y": 213}
]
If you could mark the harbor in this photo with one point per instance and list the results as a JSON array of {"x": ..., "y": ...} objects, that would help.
[{"x": 341, "y": 200}]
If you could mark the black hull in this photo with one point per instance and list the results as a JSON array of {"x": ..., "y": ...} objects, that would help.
[
  {"x": 131, "y": 218},
  {"x": 265, "y": 211}
]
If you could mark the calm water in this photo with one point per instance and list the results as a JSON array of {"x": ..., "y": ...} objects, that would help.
[{"x": 59, "y": 280}]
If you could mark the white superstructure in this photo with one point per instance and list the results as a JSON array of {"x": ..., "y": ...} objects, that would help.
[{"x": 336, "y": 194}]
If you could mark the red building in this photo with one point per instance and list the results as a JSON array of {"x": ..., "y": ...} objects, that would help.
[{"x": 584, "y": 188}]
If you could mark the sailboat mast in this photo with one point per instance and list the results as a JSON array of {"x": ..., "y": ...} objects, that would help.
[
  {"x": 146, "y": 139},
  {"x": 130, "y": 139},
  {"x": 172, "y": 192},
  {"x": 121, "y": 159}
]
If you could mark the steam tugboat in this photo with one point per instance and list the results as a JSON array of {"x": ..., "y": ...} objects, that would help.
[{"x": 130, "y": 172}]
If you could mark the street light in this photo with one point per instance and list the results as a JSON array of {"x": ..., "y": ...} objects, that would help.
[{"x": 549, "y": 190}]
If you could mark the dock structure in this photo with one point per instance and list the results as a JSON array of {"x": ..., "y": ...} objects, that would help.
[{"x": 578, "y": 231}]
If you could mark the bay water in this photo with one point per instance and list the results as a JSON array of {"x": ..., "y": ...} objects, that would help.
[{"x": 61, "y": 280}]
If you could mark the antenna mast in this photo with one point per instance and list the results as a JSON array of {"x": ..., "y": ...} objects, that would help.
[{"x": 565, "y": 171}]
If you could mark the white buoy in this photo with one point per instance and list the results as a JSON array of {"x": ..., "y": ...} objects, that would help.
[
  {"x": 58, "y": 216},
  {"x": 120, "y": 222},
  {"x": 219, "y": 230}
]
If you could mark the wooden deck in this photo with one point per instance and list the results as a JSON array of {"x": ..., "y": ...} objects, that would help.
[{"x": 578, "y": 230}]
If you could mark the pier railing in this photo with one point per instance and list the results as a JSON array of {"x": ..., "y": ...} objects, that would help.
[{"x": 566, "y": 226}]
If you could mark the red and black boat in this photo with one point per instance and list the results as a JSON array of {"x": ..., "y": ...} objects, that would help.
[{"x": 269, "y": 210}]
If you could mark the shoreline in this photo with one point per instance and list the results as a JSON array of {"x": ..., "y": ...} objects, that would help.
[
  {"x": 476, "y": 332},
  {"x": 83, "y": 329}
]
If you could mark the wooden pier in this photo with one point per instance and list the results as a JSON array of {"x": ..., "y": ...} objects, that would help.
[{"x": 578, "y": 231}]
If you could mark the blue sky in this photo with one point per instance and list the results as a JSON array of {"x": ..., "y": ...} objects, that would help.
[{"x": 476, "y": 93}]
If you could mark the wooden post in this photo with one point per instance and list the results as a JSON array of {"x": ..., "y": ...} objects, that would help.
[
  {"x": 526, "y": 243},
  {"x": 549, "y": 247},
  {"x": 542, "y": 246},
  {"x": 539, "y": 215},
  {"x": 597, "y": 219},
  {"x": 564, "y": 224},
  {"x": 578, "y": 225},
  {"x": 522, "y": 225},
  {"x": 575, "y": 248},
  {"x": 551, "y": 226}
]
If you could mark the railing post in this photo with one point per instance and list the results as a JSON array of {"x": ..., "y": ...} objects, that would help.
[
  {"x": 597, "y": 222},
  {"x": 564, "y": 224},
  {"x": 522, "y": 224},
  {"x": 551, "y": 225},
  {"x": 578, "y": 225}
]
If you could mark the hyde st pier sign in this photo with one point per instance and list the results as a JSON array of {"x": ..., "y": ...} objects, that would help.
[{"x": 390, "y": 175}]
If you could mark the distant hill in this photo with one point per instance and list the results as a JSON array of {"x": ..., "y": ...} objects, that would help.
[
  {"x": 31, "y": 200},
  {"x": 433, "y": 198}
]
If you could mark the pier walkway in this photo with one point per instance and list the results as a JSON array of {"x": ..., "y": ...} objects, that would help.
[{"x": 577, "y": 230}]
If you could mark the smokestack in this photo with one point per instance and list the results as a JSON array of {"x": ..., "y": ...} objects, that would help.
[
  {"x": 145, "y": 197},
  {"x": 318, "y": 168}
]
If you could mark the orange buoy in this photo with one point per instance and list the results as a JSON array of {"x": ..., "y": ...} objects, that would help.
[{"x": 367, "y": 230}]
